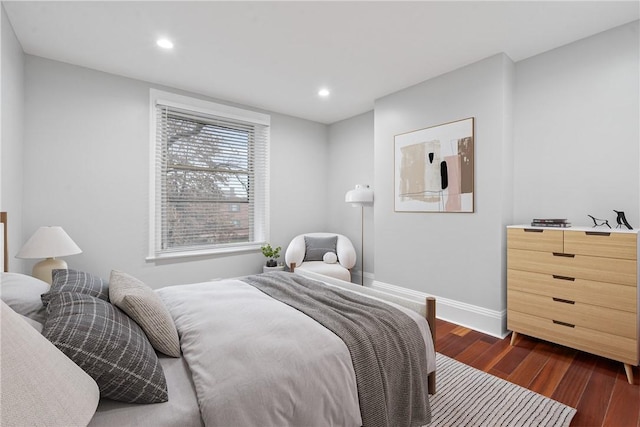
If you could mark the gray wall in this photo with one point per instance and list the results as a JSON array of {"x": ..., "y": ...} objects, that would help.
[
  {"x": 576, "y": 135},
  {"x": 350, "y": 163},
  {"x": 458, "y": 256},
  {"x": 87, "y": 141},
  {"x": 11, "y": 144}
]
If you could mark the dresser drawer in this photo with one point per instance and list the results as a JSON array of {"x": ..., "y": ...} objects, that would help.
[
  {"x": 612, "y": 346},
  {"x": 619, "y": 297},
  {"x": 602, "y": 244},
  {"x": 574, "y": 313},
  {"x": 535, "y": 239},
  {"x": 611, "y": 270}
]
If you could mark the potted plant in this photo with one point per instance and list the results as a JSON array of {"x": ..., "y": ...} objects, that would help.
[{"x": 271, "y": 254}]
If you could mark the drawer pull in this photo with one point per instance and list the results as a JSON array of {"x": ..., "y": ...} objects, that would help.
[
  {"x": 569, "y": 325},
  {"x": 597, "y": 233},
  {"x": 565, "y": 301},
  {"x": 570, "y": 279},
  {"x": 532, "y": 230},
  {"x": 564, "y": 255}
]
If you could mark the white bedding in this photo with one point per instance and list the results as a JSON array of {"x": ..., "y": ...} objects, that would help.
[
  {"x": 247, "y": 372},
  {"x": 250, "y": 360},
  {"x": 181, "y": 409}
]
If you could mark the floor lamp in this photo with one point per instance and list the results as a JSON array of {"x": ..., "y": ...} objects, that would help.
[{"x": 360, "y": 196}]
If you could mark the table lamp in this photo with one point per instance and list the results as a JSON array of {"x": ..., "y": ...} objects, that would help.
[{"x": 49, "y": 243}]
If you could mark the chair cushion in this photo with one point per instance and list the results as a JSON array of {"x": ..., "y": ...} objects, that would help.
[
  {"x": 331, "y": 270},
  {"x": 316, "y": 247}
]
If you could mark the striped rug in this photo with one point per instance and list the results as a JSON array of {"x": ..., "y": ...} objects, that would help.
[{"x": 466, "y": 396}]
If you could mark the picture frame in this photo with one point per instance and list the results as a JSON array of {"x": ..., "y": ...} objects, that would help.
[{"x": 434, "y": 168}]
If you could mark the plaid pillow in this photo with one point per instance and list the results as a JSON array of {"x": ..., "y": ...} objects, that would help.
[
  {"x": 108, "y": 346},
  {"x": 76, "y": 281}
]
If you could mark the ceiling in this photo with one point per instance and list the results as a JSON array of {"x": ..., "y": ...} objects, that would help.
[{"x": 277, "y": 55}]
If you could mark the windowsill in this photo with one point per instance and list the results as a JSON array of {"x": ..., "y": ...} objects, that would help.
[{"x": 205, "y": 252}]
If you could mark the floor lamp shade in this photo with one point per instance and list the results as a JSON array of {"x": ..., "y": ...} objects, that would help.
[
  {"x": 49, "y": 243},
  {"x": 362, "y": 194}
]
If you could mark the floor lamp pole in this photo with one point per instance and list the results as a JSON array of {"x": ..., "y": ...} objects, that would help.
[
  {"x": 361, "y": 195},
  {"x": 362, "y": 244}
]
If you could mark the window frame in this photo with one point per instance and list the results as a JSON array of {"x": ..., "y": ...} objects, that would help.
[{"x": 261, "y": 227}]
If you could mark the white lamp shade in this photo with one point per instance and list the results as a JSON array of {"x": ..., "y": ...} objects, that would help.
[
  {"x": 48, "y": 242},
  {"x": 362, "y": 194}
]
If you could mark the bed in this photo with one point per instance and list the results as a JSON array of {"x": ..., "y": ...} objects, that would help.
[{"x": 250, "y": 352}]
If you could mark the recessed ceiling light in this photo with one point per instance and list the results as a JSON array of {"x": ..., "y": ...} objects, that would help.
[
  {"x": 324, "y": 92},
  {"x": 165, "y": 43}
]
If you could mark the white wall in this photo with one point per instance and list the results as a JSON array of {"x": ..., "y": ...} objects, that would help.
[
  {"x": 87, "y": 141},
  {"x": 556, "y": 135},
  {"x": 457, "y": 256},
  {"x": 298, "y": 178},
  {"x": 350, "y": 162},
  {"x": 576, "y": 107},
  {"x": 577, "y": 130},
  {"x": 12, "y": 125}
]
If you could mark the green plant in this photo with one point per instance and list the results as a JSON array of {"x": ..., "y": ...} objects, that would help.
[{"x": 271, "y": 253}]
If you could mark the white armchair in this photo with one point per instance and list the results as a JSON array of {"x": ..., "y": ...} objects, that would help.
[{"x": 296, "y": 256}]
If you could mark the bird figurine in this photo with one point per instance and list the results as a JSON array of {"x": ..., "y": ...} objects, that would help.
[
  {"x": 621, "y": 219},
  {"x": 602, "y": 221}
]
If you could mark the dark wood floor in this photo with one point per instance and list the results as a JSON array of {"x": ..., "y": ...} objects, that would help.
[{"x": 595, "y": 386}]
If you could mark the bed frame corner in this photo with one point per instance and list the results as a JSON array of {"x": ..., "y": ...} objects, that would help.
[
  {"x": 431, "y": 319},
  {"x": 5, "y": 248}
]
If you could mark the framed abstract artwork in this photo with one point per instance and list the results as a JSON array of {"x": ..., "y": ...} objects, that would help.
[{"x": 434, "y": 168}]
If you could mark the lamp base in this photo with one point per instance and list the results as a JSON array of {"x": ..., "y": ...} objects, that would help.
[{"x": 42, "y": 270}]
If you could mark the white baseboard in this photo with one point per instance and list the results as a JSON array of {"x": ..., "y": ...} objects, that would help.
[
  {"x": 356, "y": 277},
  {"x": 490, "y": 322}
]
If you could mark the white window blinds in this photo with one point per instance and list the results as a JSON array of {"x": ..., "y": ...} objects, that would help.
[{"x": 211, "y": 180}]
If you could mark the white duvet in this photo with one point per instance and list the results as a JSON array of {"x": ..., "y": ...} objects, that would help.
[{"x": 258, "y": 362}]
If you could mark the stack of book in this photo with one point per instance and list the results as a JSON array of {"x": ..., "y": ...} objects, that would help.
[{"x": 550, "y": 222}]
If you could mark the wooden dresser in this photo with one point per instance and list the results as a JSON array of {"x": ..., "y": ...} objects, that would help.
[{"x": 577, "y": 287}]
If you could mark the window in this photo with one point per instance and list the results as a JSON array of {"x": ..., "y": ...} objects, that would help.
[{"x": 210, "y": 177}]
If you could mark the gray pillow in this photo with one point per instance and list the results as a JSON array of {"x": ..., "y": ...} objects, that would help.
[
  {"x": 78, "y": 282},
  {"x": 316, "y": 247},
  {"x": 144, "y": 306},
  {"x": 22, "y": 294},
  {"x": 108, "y": 346}
]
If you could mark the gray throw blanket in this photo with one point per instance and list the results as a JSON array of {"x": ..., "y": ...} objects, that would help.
[{"x": 387, "y": 350}]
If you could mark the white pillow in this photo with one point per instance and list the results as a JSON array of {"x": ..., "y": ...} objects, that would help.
[
  {"x": 36, "y": 325},
  {"x": 22, "y": 294},
  {"x": 330, "y": 258},
  {"x": 40, "y": 385}
]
